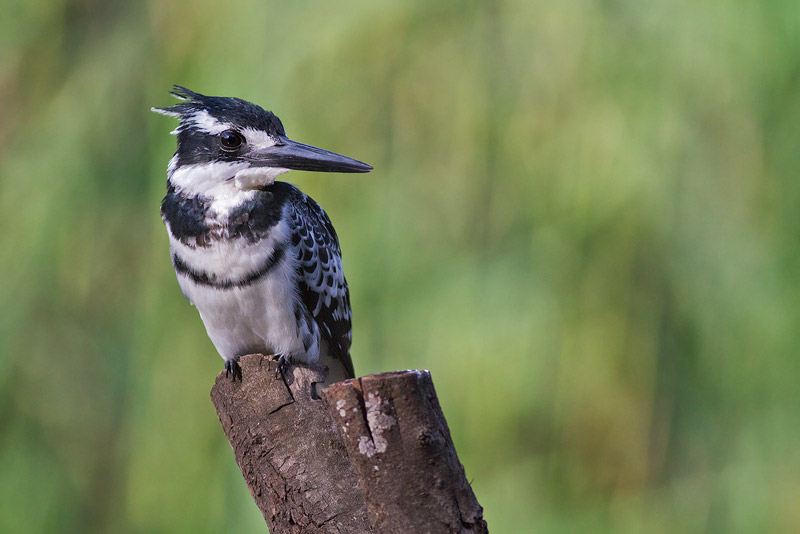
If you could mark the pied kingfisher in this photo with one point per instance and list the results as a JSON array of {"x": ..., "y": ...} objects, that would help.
[{"x": 258, "y": 258}]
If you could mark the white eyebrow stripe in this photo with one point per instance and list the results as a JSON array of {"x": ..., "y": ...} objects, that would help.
[
  {"x": 203, "y": 120},
  {"x": 258, "y": 138}
]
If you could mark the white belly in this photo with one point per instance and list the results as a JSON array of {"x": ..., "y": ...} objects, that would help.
[
  {"x": 256, "y": 318},
  {"x": 259, "y": 317}
]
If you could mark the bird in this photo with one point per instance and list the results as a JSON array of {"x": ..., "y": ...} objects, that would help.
[{"x": 258, "y": 258}]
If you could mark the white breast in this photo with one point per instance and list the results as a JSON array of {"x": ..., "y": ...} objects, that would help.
[
  {"x": 230, "y": 259},
  {"x": 259, "y": 317}
]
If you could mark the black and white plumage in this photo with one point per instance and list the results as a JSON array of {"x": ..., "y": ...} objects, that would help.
[{"x": 258, "y": 258}]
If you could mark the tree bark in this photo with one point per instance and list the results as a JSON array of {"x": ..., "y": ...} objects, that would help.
[
  {"x": 400, "y": 447},
  {"x": 289, "y": 450},
  {"x": 376, "y": 456}
]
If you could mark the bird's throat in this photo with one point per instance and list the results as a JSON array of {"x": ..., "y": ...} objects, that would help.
[{"x": 256, "y": 177}]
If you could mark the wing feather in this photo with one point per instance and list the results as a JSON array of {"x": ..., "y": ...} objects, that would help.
[{"x": 323, "y": 287}]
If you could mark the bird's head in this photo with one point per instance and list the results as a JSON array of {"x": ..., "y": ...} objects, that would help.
[{"x": 228, "y": 142}]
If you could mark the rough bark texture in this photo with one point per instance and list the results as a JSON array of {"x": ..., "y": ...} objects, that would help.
[
  {"x": 289, "y": 450},
  {"x": 400, "y": 447},
  {"x": 376, "y": 456}
]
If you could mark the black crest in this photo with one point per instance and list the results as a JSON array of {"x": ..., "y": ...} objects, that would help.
[{"x": 236, "y": 111}]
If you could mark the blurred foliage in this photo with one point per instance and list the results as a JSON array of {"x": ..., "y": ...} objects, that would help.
[{"x": 583, "y": 219}]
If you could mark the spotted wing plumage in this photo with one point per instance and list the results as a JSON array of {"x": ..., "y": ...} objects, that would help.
[{"x": 323, "y": 287}]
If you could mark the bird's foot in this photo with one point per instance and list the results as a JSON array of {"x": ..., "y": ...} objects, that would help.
[
  {"x": 283, "y": 365},
  {"x": 233, "y": 369}
]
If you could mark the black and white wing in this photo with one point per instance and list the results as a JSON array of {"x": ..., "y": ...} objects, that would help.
[{"x": 323, "y": 287}]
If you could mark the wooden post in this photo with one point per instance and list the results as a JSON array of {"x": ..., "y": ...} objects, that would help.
[
  {"x": 289, "y": 450},
  {"x": 375, "y": 456},
  {"x": 400, "y": 447}
]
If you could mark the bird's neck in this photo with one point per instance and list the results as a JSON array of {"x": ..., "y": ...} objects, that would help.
[
  {"x": 223, "y": 214},
  {"x": 220, "y": 179},
  {"x": 213, "y": 181}
]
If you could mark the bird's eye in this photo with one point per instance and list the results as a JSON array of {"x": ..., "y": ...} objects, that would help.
[{"x": 230, "y": 140}]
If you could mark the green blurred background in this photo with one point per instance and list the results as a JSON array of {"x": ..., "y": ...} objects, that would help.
[{"x": 582, "y": 219}]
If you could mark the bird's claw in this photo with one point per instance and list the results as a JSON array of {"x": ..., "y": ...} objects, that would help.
[
  {"x": 283, "y": 365},
  {"x": 233, "y": 369}
]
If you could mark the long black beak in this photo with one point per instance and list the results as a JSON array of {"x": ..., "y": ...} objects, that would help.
[{"x": 288, "y": 154}]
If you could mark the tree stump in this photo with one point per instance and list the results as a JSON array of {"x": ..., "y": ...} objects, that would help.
[
  {"x": 289, "y": 451},
  {"x": 375, "y": 456}
]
